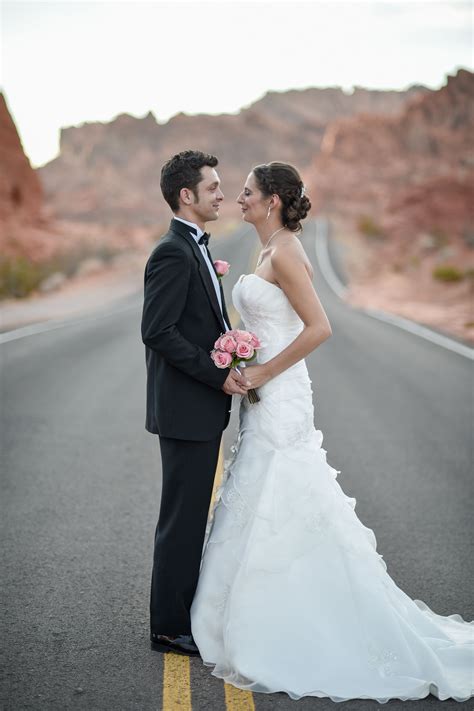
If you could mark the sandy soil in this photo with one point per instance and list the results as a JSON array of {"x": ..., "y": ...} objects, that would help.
[
  {"x": 411, "y": 293},
  {"x": 79, "y": 295}
]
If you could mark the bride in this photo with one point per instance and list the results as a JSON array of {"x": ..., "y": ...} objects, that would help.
[{"x": 292, "y": 594}]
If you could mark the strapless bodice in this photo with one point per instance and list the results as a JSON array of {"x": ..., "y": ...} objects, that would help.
[
  {"x": 266, "y": 310},
  {"x": 285, "y": 412}
]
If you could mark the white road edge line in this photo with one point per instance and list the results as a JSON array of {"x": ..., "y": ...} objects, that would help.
[
  {"x": 322, "y": 255},
  {"x": 333, "y": 281},
  {"x": 45, "y": 326}
]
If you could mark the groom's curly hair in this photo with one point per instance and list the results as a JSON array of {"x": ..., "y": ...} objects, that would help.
[{"x": 183, "y": 170}]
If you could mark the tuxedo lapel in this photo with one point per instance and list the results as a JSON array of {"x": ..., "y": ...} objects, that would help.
[
  {"x": 224, "y": 308},
  {"x": 180, "y": 228}
]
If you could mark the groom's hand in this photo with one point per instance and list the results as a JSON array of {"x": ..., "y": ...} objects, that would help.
[{"x": 235, "y": 384}]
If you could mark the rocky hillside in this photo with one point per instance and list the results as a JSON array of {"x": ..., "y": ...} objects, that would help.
[
  {"x": 394, "y": 171},
  {"x": 37, "y": 250},
  {"x": 401, "y": 190},
  {"x": 109, "y": 172},
  {"x": 21, "y": 194},
  {"x": 374, "y": 159}
]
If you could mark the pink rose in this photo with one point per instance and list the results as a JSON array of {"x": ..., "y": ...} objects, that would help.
[
  {"x": 221, "y": 267},
  {"x": 254, "y": 341},
  {"x": 221, "y": 359},
  {"x": 243, "y": 336},
  {"x": 244, "y": 350},
  {"x": 227, "y": 343}
]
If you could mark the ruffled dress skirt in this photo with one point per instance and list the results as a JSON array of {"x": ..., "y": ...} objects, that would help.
[{"x": 293, "y": 596}]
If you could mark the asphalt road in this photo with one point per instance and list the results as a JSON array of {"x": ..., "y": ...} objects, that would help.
[{"x": 81, "y": 487}]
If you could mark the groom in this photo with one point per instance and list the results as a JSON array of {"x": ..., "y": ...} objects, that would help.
[{"x": 188, "y": 397}]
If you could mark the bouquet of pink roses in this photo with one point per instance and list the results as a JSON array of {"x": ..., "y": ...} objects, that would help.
[{"x": 233, "y": 348}]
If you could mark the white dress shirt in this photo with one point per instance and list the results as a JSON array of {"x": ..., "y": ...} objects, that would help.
[{"x": 210, "y": 266}]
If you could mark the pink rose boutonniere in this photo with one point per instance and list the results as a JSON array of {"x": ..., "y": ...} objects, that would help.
[
  {"x": 221, "y": 268},
  {"x": 233, "y": 348}
]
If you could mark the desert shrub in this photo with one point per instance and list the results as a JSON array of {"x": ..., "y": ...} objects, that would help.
[
  {"x": 447, "y": 272},
  {"x": 19, "y": 276},
  {"x": 368, "y": 227}
]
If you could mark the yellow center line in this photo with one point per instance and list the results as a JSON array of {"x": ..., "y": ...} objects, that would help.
[
  {"x": 235, "y": 319},
  {"x": 238, "y": 699},
  {"x": 218, "y": 475},
  {"x": 235, "y": 699},
  {"x": 176, "y": 683},
  {"x": 233, "y": 315},
  {"x": 177, "y": 668}
]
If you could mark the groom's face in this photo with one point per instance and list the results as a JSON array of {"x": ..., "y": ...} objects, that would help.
[{"x": 209, "y": 196}]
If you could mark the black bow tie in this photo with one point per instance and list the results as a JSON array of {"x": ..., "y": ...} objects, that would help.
[{"x": 204, "y": 239}]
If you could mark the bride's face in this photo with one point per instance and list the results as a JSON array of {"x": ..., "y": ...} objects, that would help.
[{"x": 253, "y": 204}]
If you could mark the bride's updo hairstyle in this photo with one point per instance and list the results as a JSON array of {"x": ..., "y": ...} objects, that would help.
[{"x": 283, "y": 180}]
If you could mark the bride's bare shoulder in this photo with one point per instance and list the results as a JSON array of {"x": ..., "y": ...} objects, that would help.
[{"x": 289, "y": 254}]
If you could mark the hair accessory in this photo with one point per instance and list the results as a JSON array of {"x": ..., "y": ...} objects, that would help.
[{"x": 303, "y": 190}]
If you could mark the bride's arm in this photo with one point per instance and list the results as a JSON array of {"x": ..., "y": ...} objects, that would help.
[{"x": 292, "y": 276}]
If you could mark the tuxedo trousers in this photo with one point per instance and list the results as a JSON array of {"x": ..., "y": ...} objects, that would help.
[{"x": 188, "y": 477}]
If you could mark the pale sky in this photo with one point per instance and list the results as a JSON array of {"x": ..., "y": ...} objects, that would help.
[{"x": 69, "y": 62}]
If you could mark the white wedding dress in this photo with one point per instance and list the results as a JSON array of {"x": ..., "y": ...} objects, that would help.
[{"x": 292, "y": 594}]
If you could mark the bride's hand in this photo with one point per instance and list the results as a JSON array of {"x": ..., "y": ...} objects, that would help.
[{"x": 257, "y": 374}]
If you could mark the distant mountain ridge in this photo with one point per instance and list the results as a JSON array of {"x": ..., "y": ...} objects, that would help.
[
  {"x": 109, "y": 172},
  {"x": 383, "y": 165},
  {"x": 393, "y": 170}
]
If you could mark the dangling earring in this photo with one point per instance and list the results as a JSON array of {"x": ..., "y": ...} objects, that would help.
[{"x": 269, "y": 210}]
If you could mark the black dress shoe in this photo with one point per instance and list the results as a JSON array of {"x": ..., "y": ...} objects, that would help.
[{"x": 181, "y": 644}]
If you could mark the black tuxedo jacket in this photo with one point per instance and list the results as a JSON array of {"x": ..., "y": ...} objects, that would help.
[{"x": 180, "y": 323}]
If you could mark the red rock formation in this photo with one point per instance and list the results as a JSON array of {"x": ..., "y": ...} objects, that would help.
[
  {"x": 26, "y": 228},
  {"x": 367, "y": 163},
  {"x": 20, "y": 188},
  {"x": 109, "y": 173},
  {"x": 411, "y": 177},
  {"x": 442, "y": 204},
  {"x": 23, "y": 220}
]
